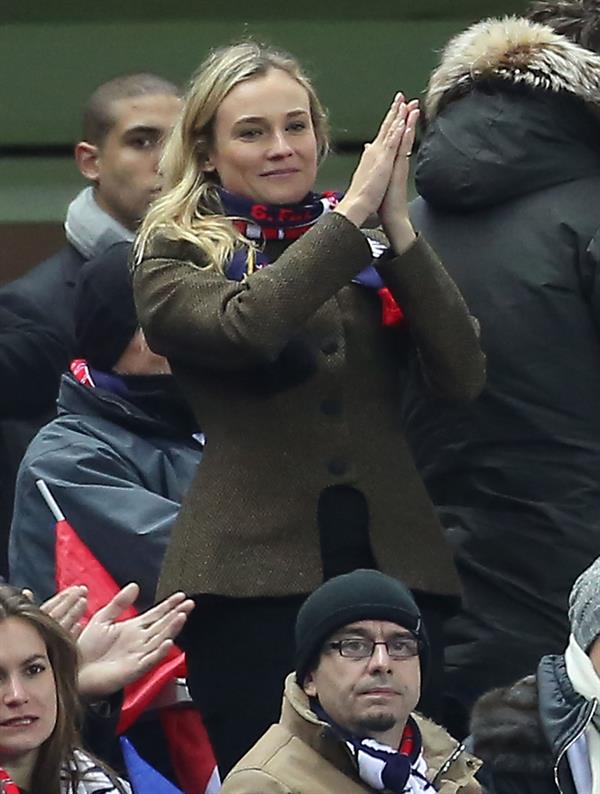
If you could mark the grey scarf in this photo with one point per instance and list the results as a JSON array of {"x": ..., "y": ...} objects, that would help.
[{"x": 90, "y": 229}]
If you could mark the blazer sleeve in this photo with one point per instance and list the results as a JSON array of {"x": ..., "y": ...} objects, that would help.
[
  {"x": 194, "y": 314},
  {"x": 445, "y": 334}
]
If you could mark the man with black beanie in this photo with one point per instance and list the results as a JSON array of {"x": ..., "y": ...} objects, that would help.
[
  {"x": 348, "y": 723},
  {"x": 121, "y": 453}
]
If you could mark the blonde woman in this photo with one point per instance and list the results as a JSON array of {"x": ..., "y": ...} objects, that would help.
[{"x": 288, "y": 328}]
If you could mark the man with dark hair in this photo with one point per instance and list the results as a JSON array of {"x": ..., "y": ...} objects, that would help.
[
  {"x": 127, "y": 120},
  {"x": 100, "y": 114},
  {"x": 508, "y": 171},
  {"x": 121, "y": 453},
  {"x": 124, "y": 125},
  {"x": 348, "y": 722}
]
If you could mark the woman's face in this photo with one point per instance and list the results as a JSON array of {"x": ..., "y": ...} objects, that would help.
[
  {"x": 265, "y": 147},
  {"x": 28, "y": 699}
]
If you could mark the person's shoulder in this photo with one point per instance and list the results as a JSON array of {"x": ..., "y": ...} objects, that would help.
[
  {"x": 260, "y": 770},
  {"x": 253, "y": 780},
  {"x": 65, "y": 262},
  {"x": 78, "y": 428},
  {"x": 506, "y": 731},
  {"x": 161, "y": 246},
  {"x": 447, "y": 759},
  {"x": 117, "y": 253},
  {"x": 67, "y": 255},
  {"x": 93, "y": 777},
  {"x": 41, "y": 283}
]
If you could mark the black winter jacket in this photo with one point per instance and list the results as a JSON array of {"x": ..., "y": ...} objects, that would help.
[
  {"x": 37, "y": 334},
  {"x": 509, "y": 174},
  {"x": 36, "y": 341},
  {"x": 522, "y": 732}
]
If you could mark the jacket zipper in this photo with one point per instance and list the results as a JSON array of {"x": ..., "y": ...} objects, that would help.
[
  {"x": 565, "y": 750},
  {"x": 448, "y": 762}
]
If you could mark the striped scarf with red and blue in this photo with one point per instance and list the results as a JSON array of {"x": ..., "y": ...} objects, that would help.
[{"x": 260, "y": 223}]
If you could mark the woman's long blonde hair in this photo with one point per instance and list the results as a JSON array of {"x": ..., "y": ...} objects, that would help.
[{"x": 190, "y": 208}]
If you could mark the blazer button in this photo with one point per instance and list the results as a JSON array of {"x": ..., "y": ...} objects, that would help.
[
  {"x": 329, "y": 347},
  {"x": 338, "y": 467},
  {"x": 331, "y": 407}
]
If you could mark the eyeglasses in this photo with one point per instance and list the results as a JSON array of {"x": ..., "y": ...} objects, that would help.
[{"x": 363, "y": 648}]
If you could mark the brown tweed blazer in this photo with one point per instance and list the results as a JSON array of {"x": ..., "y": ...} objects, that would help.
[{"x": 296, "y": 384}]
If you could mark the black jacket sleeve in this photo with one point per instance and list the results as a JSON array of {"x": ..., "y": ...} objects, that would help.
[
  {"x": 99, "y": 728},
  {"x": 32, "y": 357}
]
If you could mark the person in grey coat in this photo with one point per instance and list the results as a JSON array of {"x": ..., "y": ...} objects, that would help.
[{"x": 120, "y": 454}]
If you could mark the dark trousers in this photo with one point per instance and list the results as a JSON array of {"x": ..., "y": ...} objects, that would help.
[{"x": 239, "y": 651}]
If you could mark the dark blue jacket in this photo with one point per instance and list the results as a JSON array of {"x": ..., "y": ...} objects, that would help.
[{"x": 118, "y": 475}]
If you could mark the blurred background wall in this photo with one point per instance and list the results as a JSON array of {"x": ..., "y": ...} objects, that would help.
[{"x": 54, "y": 53}]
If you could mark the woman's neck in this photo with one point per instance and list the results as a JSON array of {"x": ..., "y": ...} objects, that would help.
[{"x": 20, "y": 768}]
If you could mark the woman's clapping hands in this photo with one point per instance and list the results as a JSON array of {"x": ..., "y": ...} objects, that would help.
[
  {"x": 379, "y": 183},
  {"x": 114, "y": 652}
]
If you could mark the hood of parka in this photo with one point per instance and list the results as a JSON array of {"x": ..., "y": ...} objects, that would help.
[{"x": 512, "y": 108}]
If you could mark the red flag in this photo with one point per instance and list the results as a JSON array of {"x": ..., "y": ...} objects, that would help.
[
  {"x": 192, "y": 755},
  {"x": 75, "y": 564}
]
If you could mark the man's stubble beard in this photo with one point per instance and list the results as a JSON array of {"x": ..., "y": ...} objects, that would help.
[{"x": 377, "y": 723}]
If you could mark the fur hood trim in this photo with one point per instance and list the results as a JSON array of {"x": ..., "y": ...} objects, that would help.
[
  {"x": 519, "y": 51},
  {"x": 506, "y": 730}
]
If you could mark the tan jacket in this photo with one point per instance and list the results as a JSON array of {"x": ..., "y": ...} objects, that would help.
[
  {"x": 297, "y": 386},
  {"x": 300, "y": 755}
]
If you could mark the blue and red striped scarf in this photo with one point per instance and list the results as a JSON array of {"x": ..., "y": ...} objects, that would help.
[{"x": 263, "y": 222}]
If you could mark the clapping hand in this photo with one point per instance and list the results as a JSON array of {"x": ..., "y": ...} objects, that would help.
[
  {"x": 393, "y": 212},
  {"x": 66, "y": 608},
  {"x": 113, "y": 654},
  {"x": 379, "y": 182}
]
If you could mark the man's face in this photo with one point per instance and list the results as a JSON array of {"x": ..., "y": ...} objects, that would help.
[
  {"x": 126, "y": 173},
  {"x": 372, "y": 696}
]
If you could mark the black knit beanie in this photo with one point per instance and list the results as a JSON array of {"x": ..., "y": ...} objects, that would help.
[
  {"x": 360, "y": 595},
  {"x": 105, "y": 317}
]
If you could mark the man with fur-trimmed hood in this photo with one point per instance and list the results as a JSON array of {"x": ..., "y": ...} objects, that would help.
[{"x": 509, "y": 178}]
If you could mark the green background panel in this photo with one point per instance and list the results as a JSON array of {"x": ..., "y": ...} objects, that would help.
[
  {"x": 53, "y": 54},
  {"x": 70, "y": 11}
]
